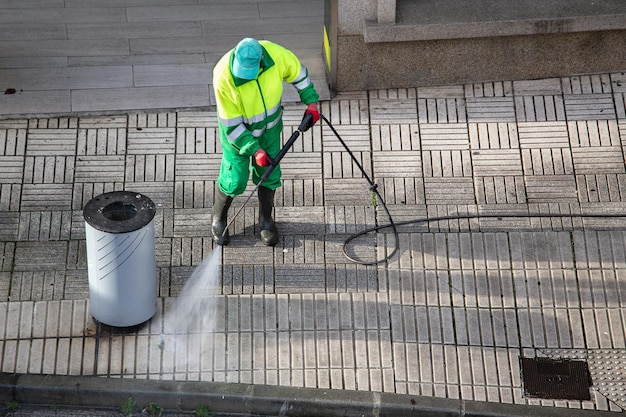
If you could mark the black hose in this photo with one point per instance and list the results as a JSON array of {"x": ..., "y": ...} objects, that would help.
[
  {"x": 394, "y": 226},
  {"x": 374, "y": 189}
]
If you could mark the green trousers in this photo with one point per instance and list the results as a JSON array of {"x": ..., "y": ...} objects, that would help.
[{"x": 235, "y": 168}]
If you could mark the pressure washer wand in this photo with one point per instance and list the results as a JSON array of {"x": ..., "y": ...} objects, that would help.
[{"x": 304, "y": 125}]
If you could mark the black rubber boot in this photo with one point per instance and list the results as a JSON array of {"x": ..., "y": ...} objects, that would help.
[
  {"x": 269, "y": 233},
  {"x": 220, "y": 217}
]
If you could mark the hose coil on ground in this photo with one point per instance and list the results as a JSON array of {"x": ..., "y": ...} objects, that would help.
[{"x": 394, "y": 226}]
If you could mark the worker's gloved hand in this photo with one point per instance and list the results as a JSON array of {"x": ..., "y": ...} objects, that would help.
[
  {"x": 314, "y": 111},
  {"x": 261, "y": 158}
]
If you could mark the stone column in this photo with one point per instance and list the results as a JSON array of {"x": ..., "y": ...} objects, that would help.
[{"x": 386, "y": 12}]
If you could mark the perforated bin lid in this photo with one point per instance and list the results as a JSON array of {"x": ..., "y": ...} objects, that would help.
[{"x": 119, "y": 212}]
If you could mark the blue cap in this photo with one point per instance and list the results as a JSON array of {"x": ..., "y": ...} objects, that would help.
[{"x": 248, "y": 54}]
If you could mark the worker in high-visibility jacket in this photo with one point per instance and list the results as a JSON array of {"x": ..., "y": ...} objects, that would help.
[{"x": 248, "y": 85}]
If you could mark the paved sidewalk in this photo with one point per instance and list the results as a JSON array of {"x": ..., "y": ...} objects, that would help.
[
  {"x": 118, "y": 55},
  {"x": 449, "y": 316}
]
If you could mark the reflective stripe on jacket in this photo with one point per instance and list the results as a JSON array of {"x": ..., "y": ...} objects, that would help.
[{"x": 246, "y": 109}]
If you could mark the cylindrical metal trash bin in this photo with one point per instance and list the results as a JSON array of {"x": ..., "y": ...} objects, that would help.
[{"x": 121, "y": 258}]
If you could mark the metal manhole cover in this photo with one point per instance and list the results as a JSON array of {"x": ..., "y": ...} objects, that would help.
[{"x": 556, "y": 379}]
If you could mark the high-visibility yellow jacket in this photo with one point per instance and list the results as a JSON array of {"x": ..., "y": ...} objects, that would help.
[{"x": 249, "y": 109}]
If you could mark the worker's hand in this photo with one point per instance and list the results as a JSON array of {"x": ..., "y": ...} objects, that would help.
[
  {"x": 261, "y": 158},
  {"x": 314, "y": 111}
]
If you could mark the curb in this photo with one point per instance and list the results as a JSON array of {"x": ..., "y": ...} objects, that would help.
[{"x": 102, "y": 392}]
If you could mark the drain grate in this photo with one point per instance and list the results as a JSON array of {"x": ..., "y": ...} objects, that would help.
[{"x": 556, "y": 379}]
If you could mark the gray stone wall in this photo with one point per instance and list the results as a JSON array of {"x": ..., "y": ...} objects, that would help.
[
  {"x": 363, "y": 65},
  {"x": 377, "y": 49}
]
